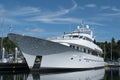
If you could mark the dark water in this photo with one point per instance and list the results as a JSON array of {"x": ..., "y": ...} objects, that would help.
[{"x": 98, "y": 74}]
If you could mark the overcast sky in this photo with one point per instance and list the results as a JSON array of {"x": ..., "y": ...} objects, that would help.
[{"x": 46, "y": 18}]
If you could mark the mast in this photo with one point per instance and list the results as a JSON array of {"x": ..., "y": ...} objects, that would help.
[
  {"x": 82, "y": 23},
  {"x": 104, "y": 51},
  {"x": 111, "y": 51},
  {"x": 10, "y": 28}
]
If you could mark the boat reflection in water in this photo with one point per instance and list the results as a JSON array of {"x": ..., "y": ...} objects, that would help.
[
  {"x": 80, "y": 75},
  {"x": 97, "y": 74},
  {"x": 112, "y": 73}
]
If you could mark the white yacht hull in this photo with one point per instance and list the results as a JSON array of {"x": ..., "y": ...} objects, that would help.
[
  {"x": 67, "y": 60},
  {"x": 64, "y": 61}
]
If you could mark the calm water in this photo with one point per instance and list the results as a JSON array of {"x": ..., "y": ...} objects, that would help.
[{"x": 99, "y": 74}]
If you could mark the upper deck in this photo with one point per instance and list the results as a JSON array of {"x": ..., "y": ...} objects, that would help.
[
  {"x": 82, "y": 37},
  {"x": 80, "y": 33}
]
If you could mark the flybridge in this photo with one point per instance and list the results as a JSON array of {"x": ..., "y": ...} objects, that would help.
[
  {"x": 83, "y": 29},
  {"x": 86, "y": 30},
  {"x": 81, "y": 32}
]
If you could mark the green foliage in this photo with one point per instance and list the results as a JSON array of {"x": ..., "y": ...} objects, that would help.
[
  {"x": 106, "y": 47},
  {"x": 8, "y": 45}
]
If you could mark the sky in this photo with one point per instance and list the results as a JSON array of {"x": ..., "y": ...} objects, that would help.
[{"x": 47, "y": 18}]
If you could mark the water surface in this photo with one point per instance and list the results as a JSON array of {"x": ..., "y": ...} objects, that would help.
[{"x": 97, "y": 74}]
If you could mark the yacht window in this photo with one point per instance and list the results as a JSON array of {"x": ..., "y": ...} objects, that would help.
[
  {"x": 77, "y": 48},
  {"x": 75, "y": 36},
  {"x": 80, "y": 37},
  {"x": 74, "y": 47},
  {"x": 88, "y": 39},
  {"x": 89, "y": 51},
  {"x": 84, "y": 38},
  {"x": 84, "y": 50}
]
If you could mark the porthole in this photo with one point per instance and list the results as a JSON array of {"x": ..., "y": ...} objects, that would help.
[
  {"x": 72, "y": 58},
  {"x": 79, "y": 59}
]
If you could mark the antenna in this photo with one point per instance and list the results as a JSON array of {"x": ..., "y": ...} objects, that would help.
[
  {"x": 10, "y": 28},
  {"x": 82, "y": 23},
  {"x": 111, "y": 51}
]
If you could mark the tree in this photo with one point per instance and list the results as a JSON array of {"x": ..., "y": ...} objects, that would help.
[
  {"x": 118, "y": 42},
  {"x": 8, "y": 45},
  {"x": 113, "y": 40}
]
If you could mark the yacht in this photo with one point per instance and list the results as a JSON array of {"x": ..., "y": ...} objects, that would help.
[{"x": 74, "y": 50}]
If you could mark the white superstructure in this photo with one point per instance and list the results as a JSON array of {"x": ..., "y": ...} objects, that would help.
[{"x": 81, "y": 39}]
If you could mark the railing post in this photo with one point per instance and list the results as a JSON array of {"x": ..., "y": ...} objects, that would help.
[{"x": 16, "y": 52}]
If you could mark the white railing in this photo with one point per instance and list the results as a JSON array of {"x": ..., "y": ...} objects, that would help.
[{"x": 63, "y": 38}]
